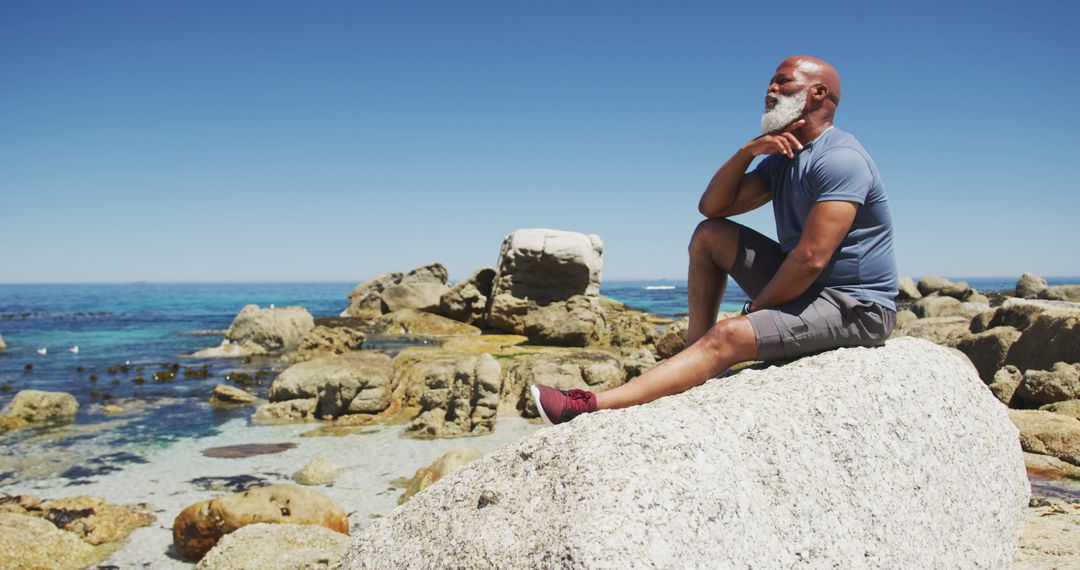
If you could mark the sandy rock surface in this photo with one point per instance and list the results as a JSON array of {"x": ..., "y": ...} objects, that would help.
[
  {"x": 445, "y": 464},
  {"x": 41, "y": 406},
  {"x": 1048, "y": 433},
  {"x": 277, "y": 547}
]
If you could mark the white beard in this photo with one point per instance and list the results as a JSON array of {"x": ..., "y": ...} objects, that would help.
[{"x": 787, "y": 110}]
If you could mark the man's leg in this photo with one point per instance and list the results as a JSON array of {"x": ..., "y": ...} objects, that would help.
[
  {"x": 713, "y": 249},
  {"x": 727, "y": 342}
]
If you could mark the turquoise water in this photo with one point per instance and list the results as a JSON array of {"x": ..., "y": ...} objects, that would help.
[{"x": 152, "y": 326}]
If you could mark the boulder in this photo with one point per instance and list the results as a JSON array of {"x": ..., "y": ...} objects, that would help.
[
  {"x": 593, "y": 370},
  {"x": 987, "y": 349},
  {"x": 34, "y": 543},
  {"x": 34, "y": 406},
  {"x": 432, "y": 273},
  {"x": 446, "y": 463},
  {"x": 467, "y": 300},
  {"x": 980, "y": 322},
  {"x": 270, "y": 329},
  {"x": 318, "y": 471},
  {"x": 353, "y": 383},
  {"x": 977, "y": 298},
  {"x": 1029, "y": 286},
  {"x": 226, "y": 395},
  {"x": 673, "y": 339},
  {"x": 815, "y": 464},
  {"x": 940, "y": 306},
  {"x": 905, "y": 317},
  {"x": 198, "y": 527},
  {"x": 277, "y": 547},
  {"x": 637, "y": 361},
  {"x": 324, "y": 341},
  {"x": 1041, "y": 387},
  {"x": 908, "y": 291},
  {"x": 930, "y": 284},
  {"x": 1004, "y": 384},
  {"x": 420, "y": 296},
  {"x": 1047, "y": 433},
  {"x": 1053, "y": 337},
  {"x": 94, "y": 519},
  {"x": 417, "y": 323},
  {"x": 959, "y": 290},
  {"x": 578, "y": 321},
  {"x": 365, "y": 299},
  {"x": 1022, "y": 313},
  {"x": 288, "y": 410},
  {"x": 1061, "y": 293},
  {"x": 3, "y": 344},
  {"x": 630, "y": 329},
  {"x": 9, "y": 422},
  {"x": 458, "y": 393},
  {"x": 946, "y": 331},
  {"x": 1069, "y": 408}
]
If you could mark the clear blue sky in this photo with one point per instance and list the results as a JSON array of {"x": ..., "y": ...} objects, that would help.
[{"x": 304, "y": 141}]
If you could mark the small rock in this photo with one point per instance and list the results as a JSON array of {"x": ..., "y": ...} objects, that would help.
[
  {"x": 1029, "y": 286},
  {"x": 225, "y": 395},
  {"x": 987, "y": 349},
  {"x": 318, "y": 471},
  {"x": 426, "y": 476},
  {"x": 94, "y": 519},
  {"x": 40, "y": 406},
  {"x": 1069, "y": 408},
  {"x": 1004, "y": 384},
  {"x": 1040, "y": 387},
  {"x": 908, "y": 291},
  {"x": 247, "y": 450},
  {"x": 277, "y": 547},
  {"x": 931, "y": 284},
  {"x": 1047, "y": 433}
]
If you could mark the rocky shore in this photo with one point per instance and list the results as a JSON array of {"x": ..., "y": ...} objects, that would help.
[{"x": 859, "y": 434}]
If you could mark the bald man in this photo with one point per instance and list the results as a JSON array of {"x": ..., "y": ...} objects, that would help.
[{"x": 830, "y": 281}]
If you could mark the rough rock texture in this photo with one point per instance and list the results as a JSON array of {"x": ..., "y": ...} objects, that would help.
[
  {"x": 673, "y": 339},
  {"x": 198, "y": 527},
  {"x": 270, "y": 329},
  {"x": 593, "y": 370},
  {"x": 1004, "y": 384},
  {"x": 459, "y": 394},
  {"x": 977, "y": 298},
  {"x": 288, "y": 410},
  {"x": 31, "y": 543},
  {"x": 578, "y": 321},
  {"x": 1029, "y": 286},
  {"x": 946, "y": 331},
  {"x": 814, "y": 464},
  {"x": 905, "y": 317},
  {"x": 446, "y": 463},
  {"x": 318, "y": 471},
  {"x": 1050, "y": 539},
  {"x": 637, "y": 361},
  {"x": 352, "y": 383},
  {"x": 10, "y": 423},
  {"x": 417, "y": 296},
  {"x": 631, "y": 330},
  {"x": 40, "y": 406},
  {"x": 431, "y": 273},
  {"x": 1061, "y": 293},
  {"x": 94, "y": 519},
  {"x": 1069, "y": 408},
  {"x": 467, "y": 300},
  {"x": 410, "y": 322},
  {"x": 1053, "y": 337},
  {"x": 959, "y": 290},
  {"x": 366, "y": 298},
  {"x": 1041, "y": 387},
  {"x": 1022, "y": 313},
  {"x": 324, "y": 341},
  {"x": 980, "y": 322},
  {"x": 987, "y": 349},
  {"x": 931, "y": 284},
  {"x": 277, "y": 547},
  {"x": 908, "y": 291},
  {"x": 224, "y": 394},
  {"x": 1047, "y": 433},
  {"x": 941, "y": 306}
]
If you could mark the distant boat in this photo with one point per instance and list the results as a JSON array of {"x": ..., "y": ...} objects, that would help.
[
  {"x": 43, "y": 351},
  {"x": 659, "y": 287},
  {"x": 74, "y": 350}
]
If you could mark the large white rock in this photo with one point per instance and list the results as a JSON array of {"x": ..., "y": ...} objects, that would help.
[{"x": 896, "y": 457}]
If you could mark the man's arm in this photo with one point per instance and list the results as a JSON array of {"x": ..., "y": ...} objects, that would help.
[
  {"x": 826, "y": 225},
  {"x": 732, "y": 190}
]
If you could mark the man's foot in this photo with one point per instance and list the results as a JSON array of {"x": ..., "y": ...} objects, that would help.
[{"x": 558, "y": 406}]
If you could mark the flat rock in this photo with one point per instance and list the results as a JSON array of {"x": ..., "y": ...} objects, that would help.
[
  {"x": 40, "y": 406},
  {"x": 277, "y": 547},
  {"x": 247, "y": 450},
  {"x": 94, "y": 519},
  {"x": 416, "y": 296},
  {"x": 1069, "y": 408},
  {"x": 1051, "y": 538},
  {"x": 33, "y": 543},
  {"x": 1047, "y": 433},
  {"x": 418, "y": 323},
  {"x": 987, "y": 349},
  {"x": 350, "y": 383},
  {"x": 945, "y": 331},
  {"x": 1041, "y": 387},
  {"x": 1053, "y": 337},
  {"x": 229, "y": 395},
  {"x": 816, "y": 463}
]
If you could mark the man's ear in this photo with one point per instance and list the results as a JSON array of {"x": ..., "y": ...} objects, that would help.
[{"x": 819, "y": 92}]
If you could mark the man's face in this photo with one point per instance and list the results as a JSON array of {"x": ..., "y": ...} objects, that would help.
[{"x": 785, "y": 100}]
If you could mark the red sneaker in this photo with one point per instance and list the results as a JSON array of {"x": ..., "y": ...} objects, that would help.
[{"x": 558, "y": 406}]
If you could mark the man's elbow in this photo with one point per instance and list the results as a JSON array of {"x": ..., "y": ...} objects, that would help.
[{"x": 812, "y": 262}]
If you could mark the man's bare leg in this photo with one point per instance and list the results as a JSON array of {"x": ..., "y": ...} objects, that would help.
[
  {"x": 713, "y": 248},
  {"x": 727, "y": 342}
]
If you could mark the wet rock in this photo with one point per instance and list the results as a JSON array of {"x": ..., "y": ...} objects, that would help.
[
  {"x": 579, "y": 321},
  {"x": 1047, "y": 433},
  {"x": 417, "y": 323},
  {"x": 1004, "y": 384},
  {"x": 415, "y": 296},
  {"x": 94, "y": 519},
  {"x": 458, "y": 393},
  {"x": 289, "y": 410},
  {"x": 908, "y": 291},
  {"x": 233, "y": 483},
  {"x": 593, "y": 370},
  {"x": 987, "y": 349},
  {"x": 35, "y": 406},
  {"x": 1053, "y": 337},
  {"x": 199, "y": 527},
  {"x": 318, "y": 471},
  {"x": 30, "y": 542},
  {"x": 227, "y": 395},
  {"x": 1069, "y": 408},
  {"x": 324, "y": 341},
  {"x": 640, "y": 484},
  {"x": 1041, "y": 387},
  {"x": 945, "y": 331},
  {"x": 247, "y": 450},
  {"x": 277, "y": 547},
  {"x": 445, "y": 464},
  {"x": 1029, "y": 286},
  {"x": 352, "y": 383},
  {"x": 467, "y": 300}
]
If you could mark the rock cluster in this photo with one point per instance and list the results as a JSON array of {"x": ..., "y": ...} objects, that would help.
[
  {"x": 819, "y": 463},
  {"x": 257, "y": 331},
  {"x": 1032, "y": 286}
]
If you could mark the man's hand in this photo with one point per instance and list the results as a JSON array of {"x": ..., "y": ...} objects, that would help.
[{"x": 783, "y": 142}]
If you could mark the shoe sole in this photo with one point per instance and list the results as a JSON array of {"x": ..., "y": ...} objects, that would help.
[{"x": 536, "y": 400}]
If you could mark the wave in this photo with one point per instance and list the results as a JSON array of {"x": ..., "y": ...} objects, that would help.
[{"x": 659, "y": 287}]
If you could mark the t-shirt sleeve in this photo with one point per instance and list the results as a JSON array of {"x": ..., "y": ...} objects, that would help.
[
  {"x": 841, "y": 174},
  {"x": 765, "y": 169}
]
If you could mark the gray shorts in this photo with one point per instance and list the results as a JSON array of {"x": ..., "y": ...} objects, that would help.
[{"x": 820, "y": 319}]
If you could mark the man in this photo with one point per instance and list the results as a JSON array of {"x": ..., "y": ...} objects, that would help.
[{"x": 830, "y": 282}]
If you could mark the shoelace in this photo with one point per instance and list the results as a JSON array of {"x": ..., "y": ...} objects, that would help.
[{"x": 579, "y": 399}]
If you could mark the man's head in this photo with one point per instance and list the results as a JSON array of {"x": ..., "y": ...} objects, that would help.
[{"x": 802, "y": 87}]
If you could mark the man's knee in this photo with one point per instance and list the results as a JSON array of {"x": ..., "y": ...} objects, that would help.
[
  {"x": 714, "y": 238},
  {"x": 731, "y": 337}
]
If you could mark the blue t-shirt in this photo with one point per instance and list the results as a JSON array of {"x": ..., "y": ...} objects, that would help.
[{"x": 836, "y": 167}]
